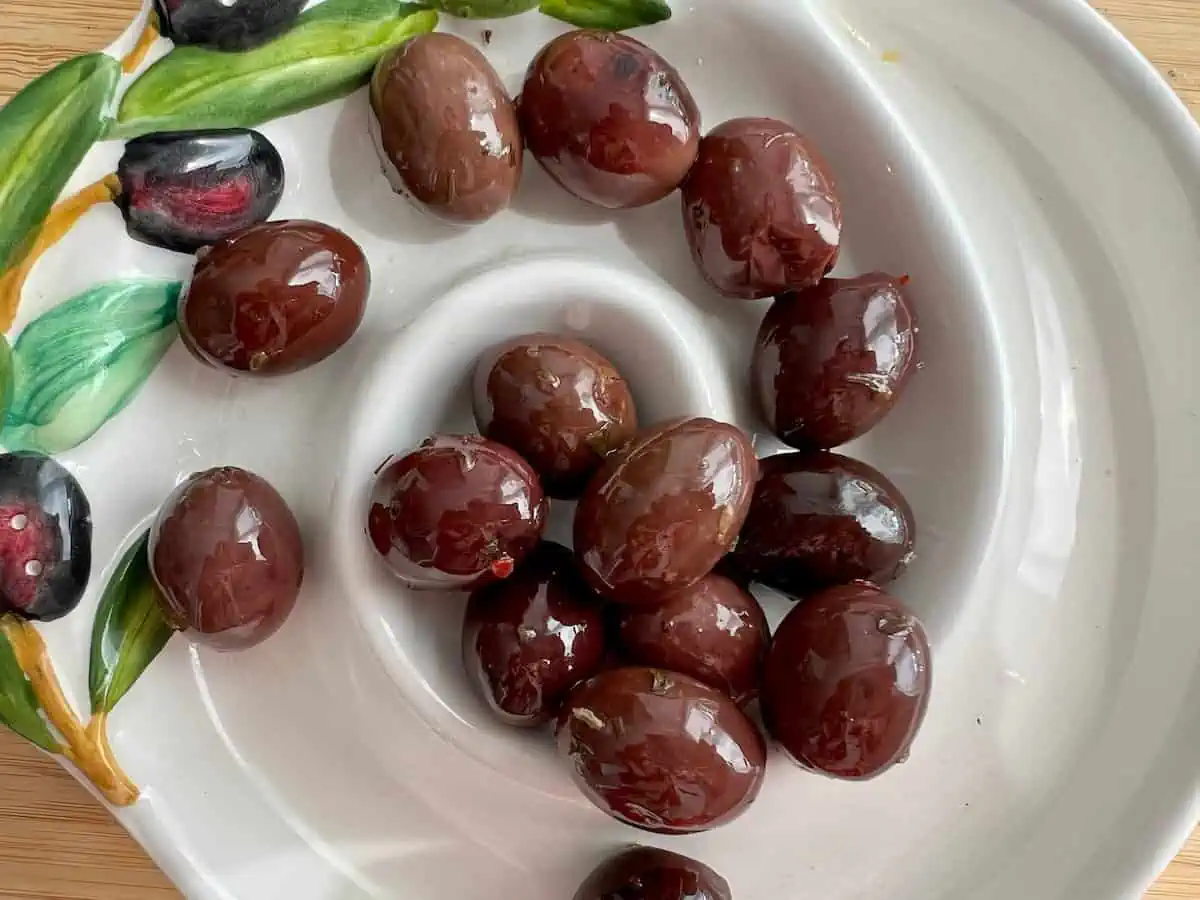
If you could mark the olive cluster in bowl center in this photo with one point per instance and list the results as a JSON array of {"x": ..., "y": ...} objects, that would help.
[{"x": 647, "y": 622}]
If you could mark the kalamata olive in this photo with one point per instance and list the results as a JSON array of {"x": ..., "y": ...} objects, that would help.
[
  {"x": 661, "y": 751},
  {"x": 183, "y": 190},
  {"x": 609, "y": 118},
  {"x": 275, "y": 298},
  {"x": 713, "y": 631},
  {"x": 831, "y": 360},
  {"x": 819, "y": 520},
  {"x": 663, "y": 510},
  {"x": 446, "y": 128},
  {"x": 558, "y": 403},
  {"x": 45, "y": 537},
  {"x": 457, "y": 512},
  {"x": 846, "y": 681},
  {"x": 648, "y": 873},
  {"x": 226, "y": 552},
  {"x": 529, "y": 639},
  {"x": 760, "y": 209},
  {"x": 226, "y": 24}
]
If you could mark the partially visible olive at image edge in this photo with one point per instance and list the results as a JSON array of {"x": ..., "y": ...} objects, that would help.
[
  {"x": 649, "y": 873},
  {"x": 45, "y": 537},
  {"x": 229, "y": 25}
]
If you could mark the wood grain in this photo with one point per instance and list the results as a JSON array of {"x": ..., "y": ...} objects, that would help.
[{"x": 56, "y": 842}]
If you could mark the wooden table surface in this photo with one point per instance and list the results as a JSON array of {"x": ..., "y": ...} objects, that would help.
[{"x": 56, "y": 842}]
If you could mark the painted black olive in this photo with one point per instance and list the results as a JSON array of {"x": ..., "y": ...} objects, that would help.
[
  {"x": 226, "y": 24},
  {"x": 184, "y": 190},
  {"x": 45, "y": 537}
]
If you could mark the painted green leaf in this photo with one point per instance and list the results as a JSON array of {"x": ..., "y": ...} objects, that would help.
[
  {"x": 607, "y": 15},
  {"x": 45, "y": 131},
  {"x": 19, "y": 709},
  {"x": 129, "y": 630},
  {"x": 484, "y": 9},
  {"x": 78, "y": 365},
  {"x": 329, "y": 52},
  {"x": 6, "y": 377},
  {"x": 611, "y": 15}
]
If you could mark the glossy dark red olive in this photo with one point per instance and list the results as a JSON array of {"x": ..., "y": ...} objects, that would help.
[
  {"x": 713, "y": 631},
  {"x": 648, "y": 873},
  {"x": 275, "y": 298},
  {"x": 457, "y": 512},
  {"x": 760, "y": 209},
  {"x": 45, "y": 537},
  {"x": 847, "y": 681},
  {"x": 831, "y": 361},
  {"x": 446, "y": 128},
  {"x": 663, "y": 510},
  {"x": 661, "y": 751},
  {"x": 558, "y": 403},
  {"x": 529, "y": 639},
  {"x": 819, "y": 520},
  {"x": 609, "y": 118},
  {"x": 226, "y": 24},
  {"x": 184, "y": 190},
  {"x": 226, "y": 552}
]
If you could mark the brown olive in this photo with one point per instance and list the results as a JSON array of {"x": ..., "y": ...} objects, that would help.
[
  {"x": 446, "y": 128},
  {"x": 226, "y": 553},
  {"x": 713, "y": 631},
  {"x": 661, "y": 751},
  {"x": 648, "y": 873},
  {"x": 529, "y": 639},
  {"x": 457, "y": 512},
  {"x": 275, "y": 298},
  {"x": 609, "y": 119},
  {"x": 847, "y": 681},
  {"x": 832, "y": 360},
  {"x": 819, "y": 520},
  {"x": 760, "y": 209},
  {"x": 558, "y": 403},
  {"x": 663, "y": 510}
]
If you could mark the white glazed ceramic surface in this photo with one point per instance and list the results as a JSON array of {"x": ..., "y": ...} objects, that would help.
[{"x": 1042, "y": 188}]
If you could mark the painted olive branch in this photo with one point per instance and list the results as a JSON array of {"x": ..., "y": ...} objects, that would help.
[
  {"x": 87, "y": 747},
  {"x": 57, "y": 223}
]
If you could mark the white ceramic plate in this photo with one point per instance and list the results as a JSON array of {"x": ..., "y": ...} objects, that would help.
[{"x": 1042, "y": 187}]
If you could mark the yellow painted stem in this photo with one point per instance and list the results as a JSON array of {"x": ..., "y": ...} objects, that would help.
[
  {"x": 58, "y": 223},
  {"x": 87, "y": 748},
  {"x": 145, "y": 41}
]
